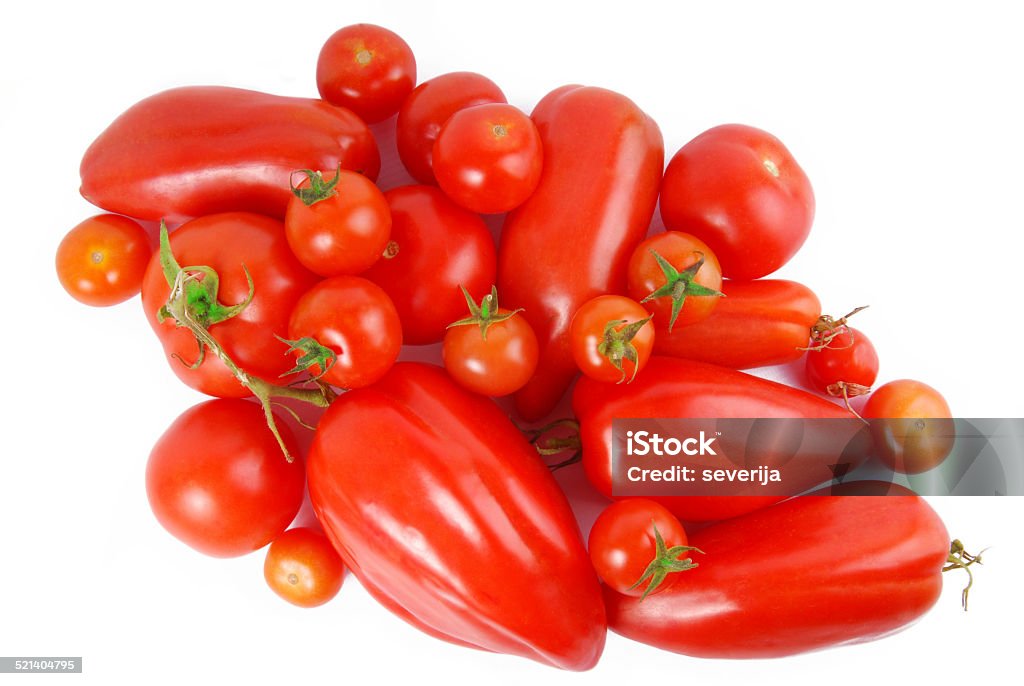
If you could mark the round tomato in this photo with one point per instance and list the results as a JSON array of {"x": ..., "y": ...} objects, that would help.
[
  {"x": 101, "y": 261},
  {"x": 436, "y": 247},
  {"x": 912, "y": 426},
  {"x": 368, "y": 69},
  {"x": 611, "y": 338},
  {"x": 739, "y": 189},
  {"x": 428, "y": 107},
  {"x": 337, "y": 226},
  {"x": 637, "y": 545},
  {"x": 491, "y": 352},
  {"x": 488, "y": 158},
  {"x": 676, "y": 277},
  {"x": 232, "y": 244},
  {"x": 847, "y": 366},
  {"x": 355, "y": 320},
  {"x": 303, "y": 568},
  {"x": 217, "y": 480}
]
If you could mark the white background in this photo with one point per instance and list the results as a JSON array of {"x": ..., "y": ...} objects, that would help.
[{"x": 907, "y": 118}]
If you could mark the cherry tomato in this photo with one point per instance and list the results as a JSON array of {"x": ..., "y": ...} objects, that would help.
[
  {"x": 611, "y": 338},
  {"x": 303, "y": 568},
  {"x": 845, "y": 367},
  {"x": 217, "y": 479},
  {"x": 740, "y": 190},
  {"x": 912, "y": 425},
  {"x": 488, "y": 158},
  {"x": 676, "y": 277},
  {"x": 355, "y": 320},
  {"x": 428, "y": 107},
  {"x": 491, "y": 352},
  {"x": 337, "y": 226},
  {"x": 637, "y": 545},
  {"x": 368, "y": 69},
  {"x": 436, "y": 246},
  {"x": 101, "y": 261}
]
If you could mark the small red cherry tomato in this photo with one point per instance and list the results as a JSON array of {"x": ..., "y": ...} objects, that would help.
[
  {"x": 676, "y": 277},
  {"x": 101, "y": 261},
  {"x": 912, "y": 425},
  {"x": 846, "y": 366},
  {"x": 637, "y": 545},
  {"x": 488, "y": 158},
  {"x": 368, "y": 69},
  {"x": 611, "y": 338},
  {"x": 303, "y": 568}
]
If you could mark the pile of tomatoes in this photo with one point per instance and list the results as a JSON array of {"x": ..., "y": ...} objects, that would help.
[{"x": 289, "y": 277}]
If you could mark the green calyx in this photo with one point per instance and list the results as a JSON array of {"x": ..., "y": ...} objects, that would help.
[
  {"x": 314, "y": 354},
  {"x": 617, "y": 344},
  {"x": 679, "y": 284},
  {"x": 666, "y": 561},
  {"x": 484, "y": 314},
  {"x": 318, "y": 189}
]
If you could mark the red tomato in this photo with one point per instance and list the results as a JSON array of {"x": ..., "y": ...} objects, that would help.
[
  {"x": 421, "y": 485},
  {"x": 611, "y": 338},
  {"x": 739, "y": 189},
  {"x": 637, "y": 547},
  {"x": 493, "y": 351},
  {"x": 661, "y": 276},
  {"x": 846, "y": 367},
  {"x": 356, "y": 320},
  {"x": 217, "y": 480},
  {"x": 488, "y": 158},
  {"x": 303, "y": 568},
  {"x": 912, "y": 425},
  {"x": 368, "y": 69},
  {"x": 101, "y": 261},
  {"x": 226, "y": 242},
  {"x": 338, "y": 226},
  {"x": 428, "y": 107},
  {"x": 436, "y": 246}
]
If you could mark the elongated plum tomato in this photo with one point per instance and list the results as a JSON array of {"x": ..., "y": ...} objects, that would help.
[
  {"x": 848, "y": 365},
  {"x": 102, "y": 261},
  {"x": 368, "y": 69},
  {"x": 217, "y": 480},
  {"x": 912, "y": 425},
  {"x": 488, "y": 158},
  {"x": 611, "y": 338},
  {"x": 303, "y": 568}
]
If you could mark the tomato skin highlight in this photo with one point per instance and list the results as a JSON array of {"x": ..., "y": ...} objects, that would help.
[
  {"x": 756, "y": 324},
  {"x": 739, "y": 189},
  {"x": 303, "y": 568},
  {"x": 217, "y": 480},
  {"x": 601, "y": 150},
  {"x": 452, "y": 487},
  {"x": 806, "y": 574},
  {"x": 198, "y": 150},
  {"x": 102, "y": 260}
]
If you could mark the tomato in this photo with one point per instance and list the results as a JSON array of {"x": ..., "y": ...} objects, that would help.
[
  {"x": 199, "y": 150},
  {"x": 802, "y": 575},
  {"x": 217, "y": 481},
  {"x": 571, "y": 240},
  {"x": 226, "y": 242},
  {"x": 638, "y": 547},
  {"x": 366, "y": 68},
  {"x": 303, "y": 568},
  {"x": 355, "y": 319},
  {"x": 847, "y": 366},
  {"x": 739, "y": 189},
  {"x": 338, "y": 226},
  {"x": 491, "y": 352},
  {"x": 681, "y": 388},
  {"x": 488, "y": 158},
  {"x": 101, "y": 261},
  {"x": 428, "y": 107},
  {"x": 611, "y": 338},
  {"x": 436, "y": 247},
  {"x": 422, "y": 487},
  {"x": 912, "y": 424},
  {"x": 676, "y": 277},
  {"x": 757, "y": 323}
]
